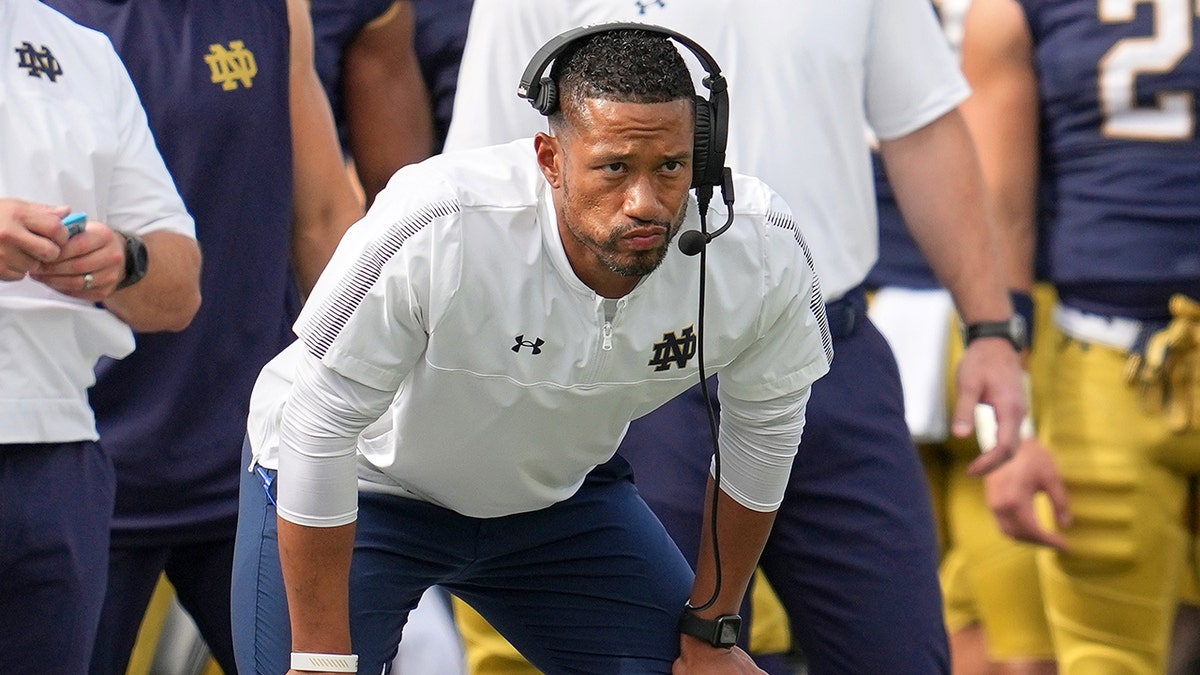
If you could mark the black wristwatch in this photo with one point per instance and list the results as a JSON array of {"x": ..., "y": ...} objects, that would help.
[
  {"x": 719, "y": 632},
  {"x": 1013, "y": 330},
  {"x": 137, "y": 260}
]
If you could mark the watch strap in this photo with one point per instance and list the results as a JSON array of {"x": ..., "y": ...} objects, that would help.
[
  {"x": 720, "y": 632},
  {"x": 1012, "y": 330},
  {"x": 136, "y": 260}
]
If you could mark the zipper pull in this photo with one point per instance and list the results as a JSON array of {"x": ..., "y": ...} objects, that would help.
[{"x": 607, "y": 333}]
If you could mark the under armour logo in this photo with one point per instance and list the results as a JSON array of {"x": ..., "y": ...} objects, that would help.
[
  {"x": 535, "y": 345},
  {"x": 231, "y": 66},
  {"x": 643, "y": 6},
  {"x": 674, "y": 350},
  {"x": 38, "y": 63}
]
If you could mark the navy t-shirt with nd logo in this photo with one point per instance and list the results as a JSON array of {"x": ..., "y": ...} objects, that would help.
[{"x": 213, "y": 77}]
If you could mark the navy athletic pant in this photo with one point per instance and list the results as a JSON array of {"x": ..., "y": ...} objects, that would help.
[
  {"x": 56, "y": 505},
  {"x": 853, "y": 553},
  {"x": 194, "y": 571},
  {"x": 593, "y": 584}
]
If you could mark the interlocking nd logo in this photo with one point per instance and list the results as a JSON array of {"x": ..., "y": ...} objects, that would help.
[
  {"x": 38, "y": 63},
  {"x": 674, "y": 350},
  {"x": 231, "y": 66}
]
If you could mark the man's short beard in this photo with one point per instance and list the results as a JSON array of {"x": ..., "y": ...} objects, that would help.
[{"x": 642, "y": 262}]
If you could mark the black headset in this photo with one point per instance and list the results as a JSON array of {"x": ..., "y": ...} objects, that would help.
[{"x": 712, "y": 117}]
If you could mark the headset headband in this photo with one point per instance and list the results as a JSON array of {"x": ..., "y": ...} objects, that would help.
[{"x": 531, "y": 78}]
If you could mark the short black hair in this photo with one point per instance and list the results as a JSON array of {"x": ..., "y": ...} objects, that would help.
[{"x": 624, "y": 66}]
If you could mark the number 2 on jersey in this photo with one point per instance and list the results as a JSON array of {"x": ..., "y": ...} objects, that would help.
[{"x": 1173, "y": 117}]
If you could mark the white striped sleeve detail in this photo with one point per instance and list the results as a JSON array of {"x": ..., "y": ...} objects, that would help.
[{"x": 323, "y": 328}]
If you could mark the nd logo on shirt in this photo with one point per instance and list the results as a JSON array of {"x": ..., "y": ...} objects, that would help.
[
  {"x": 674, "y": 350},
  {"x": 38, "y": 63},
  {"x": 231, "y": 66}
]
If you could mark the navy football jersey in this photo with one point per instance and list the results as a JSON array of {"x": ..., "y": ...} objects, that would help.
[
  {"x": 1119, "y": 84},
  {"x": 213, "y": 77}
]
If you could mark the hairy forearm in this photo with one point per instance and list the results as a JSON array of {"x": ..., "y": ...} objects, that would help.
[
  {"x": 939, "y": 186},
  {"x": 169, "y": 296},
  {"x": 1002, "y": 116}
]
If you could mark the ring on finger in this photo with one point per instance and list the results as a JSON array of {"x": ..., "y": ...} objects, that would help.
[{"x": 89, "y": 282}]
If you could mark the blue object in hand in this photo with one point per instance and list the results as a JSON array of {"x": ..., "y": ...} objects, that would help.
[{"x": 75, "y": 222}]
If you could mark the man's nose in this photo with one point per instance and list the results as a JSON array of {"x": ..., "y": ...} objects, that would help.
[{"x": 642, "y": 201}]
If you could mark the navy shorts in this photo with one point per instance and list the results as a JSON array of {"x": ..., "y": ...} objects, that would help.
[
  {"x": 593, "y": 584},
  {"x": 853, "y": 553}
]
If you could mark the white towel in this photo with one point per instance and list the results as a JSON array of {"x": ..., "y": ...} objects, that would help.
[{"x": 916, "y": 324}]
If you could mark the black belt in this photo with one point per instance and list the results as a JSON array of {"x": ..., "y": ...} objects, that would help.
[{"x": 843, "y": 314}]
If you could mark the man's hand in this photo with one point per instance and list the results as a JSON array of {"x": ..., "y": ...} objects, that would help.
[
  {"x": 30, "y": 234},
  {"x": 89, "y": 265},
  {"x": 697, "y": 657},
  {"x": 990, "y": 372},
  {"x": 1011, "y": 490}
]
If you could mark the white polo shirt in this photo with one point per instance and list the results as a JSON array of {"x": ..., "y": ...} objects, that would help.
[
  {"x": 72, "y": 132},
  {"x": 505, "y": 379},
  {"x": 819, "y": 74}
]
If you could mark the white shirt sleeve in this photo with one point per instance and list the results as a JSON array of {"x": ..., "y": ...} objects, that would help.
[
  {"x": 912, "y": 75},
  {"x": 758, "y": 442},
  {"x": 501, "y": 38},
  {"x": 765, "y": 390},
  {"x": 322, "y": 417},
  {"x": 142, "y": 196}
]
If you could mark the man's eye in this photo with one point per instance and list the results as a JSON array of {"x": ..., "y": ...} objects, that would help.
[
  {"x": 673, "y": 166},
  {"x": 615, "y": 167}
]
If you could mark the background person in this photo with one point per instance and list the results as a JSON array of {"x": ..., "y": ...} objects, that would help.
[
  {"x": 853, "y": 548},
  {"x": 245, "y": 130},
  {"x": 75, "y": 138},
  {"x": 1099, "y": 101},
  {"x": 994, "y": 612}
]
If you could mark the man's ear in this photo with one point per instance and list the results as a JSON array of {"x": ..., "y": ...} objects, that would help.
[{"x": 549, "y": 157}]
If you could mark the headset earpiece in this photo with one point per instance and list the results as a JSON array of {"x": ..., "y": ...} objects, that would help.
[
  {"x": 702, "y": 151},
  {"x": 546, "y": 101}
]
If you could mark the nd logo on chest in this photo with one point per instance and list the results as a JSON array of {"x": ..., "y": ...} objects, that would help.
[
  {"x": 38, "y": 63},
  {"x": 673, "y": 350},
  {"x": 231, "y": 66}
]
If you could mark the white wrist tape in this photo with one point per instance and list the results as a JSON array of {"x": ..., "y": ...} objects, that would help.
[
  {"x": 987, "y": 429},
  {"x": 325, "y": 663}
]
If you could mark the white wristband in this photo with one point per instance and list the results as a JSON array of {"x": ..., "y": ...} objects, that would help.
[{"x": 325, "y": 663}]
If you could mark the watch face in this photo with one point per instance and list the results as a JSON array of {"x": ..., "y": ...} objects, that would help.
[
  {"x": 728, "y": 629},
  {"x": 1020, "y": 332}
]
